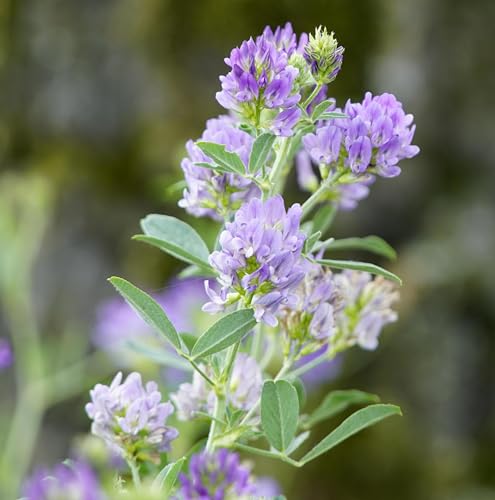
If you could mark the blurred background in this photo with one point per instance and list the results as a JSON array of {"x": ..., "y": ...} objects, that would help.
[{"x": 97, "y": 101}]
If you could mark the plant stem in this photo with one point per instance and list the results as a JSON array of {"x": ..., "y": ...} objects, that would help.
[
  {"x": 279, "y": 164},
  {"x": 313, "y": 94},
  {"x": 256, "y": 342},
  {"x": 310, "y": 365},
  {"x": 218, "y": 411},
  {"x": 136, "y": 479},
  {"x": 199, "y": 370},
  {"x": 267, "y": 453},
  {"x": 230, "y": 362},
  {"x": 310, "y": 203}
]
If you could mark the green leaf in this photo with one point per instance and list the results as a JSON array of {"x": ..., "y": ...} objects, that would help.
[
  {"x": 213, "y": 166},
  {"x": 371, "y": 243},
  {"x": 224, "y": 333},
  {"x": 167, "y": 477},
  {"x": 360, "y": 266},
  {"x": 147, "y": 308},
  {"x": 330, "y": 115},
  {"x": 224, "y": 158},
  {"x": 324, "y": 217},
  {"x": 279, "y": 413},
  {"x": 261, "y": 149},
  {"x": 352, "y": 425},
  {"x": 161, "y": 356},
  {"x": 320, "y": 108},
  {"x": 176, "y": 238},
  {"x": 310, "y": 241},
  {"x": 336, "y": 402}
]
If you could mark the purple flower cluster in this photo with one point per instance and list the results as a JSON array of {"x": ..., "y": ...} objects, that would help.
[
  {"x": 6, "y": 354},
  {"x": 209, "y": 193},
  {"x": 376, "y": 135},
  {"x": 129, "y": 417},
  {"x": 74, "y": 481},
  {"x": 243, "y": 390},
  {"x": 367, "y": 307},
  {"x": 216, "y": 476},
  {"x": 310, "y": 319},
  {"x": 259, "y": 261},
  {"x": 261, "y": 78}
]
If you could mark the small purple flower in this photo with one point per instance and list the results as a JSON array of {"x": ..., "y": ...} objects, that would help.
[
  {"x": 209, "y": 193},
  {"x": 261, "y": 78},
  {"x": 259, "y": 261},
  {"x": 310, "y": 320},
  {"x": 6, "y": 354},
  {"x": 74, "y": 481},
  {"x": 242, "y": 392},
  {"x": 367, "y": 307},
  {"x": 324, "y": 145},
  {"x": 130, "y": 418},
  {"x": 285, "y": 121},
  {"x": 216, "y": 476}
]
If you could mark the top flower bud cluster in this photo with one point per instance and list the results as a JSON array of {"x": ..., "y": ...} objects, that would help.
[{"x": 268, "y": 76}]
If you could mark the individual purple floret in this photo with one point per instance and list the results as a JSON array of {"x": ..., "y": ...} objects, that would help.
[
  {"x": 209, "y": 193},
  {"x": 6, "y": 354},
  {"x": 74, "y": 481},
  {"x": 284, "y": 38},
  {"x": 259, "y": 261},
  {"x": 310, "y": 320},
  {"x": 216, "y": 476},
  {"x": 242, "y": 392},
  {"x": 261, "y": 78},
  {"x": 131, "y": 418},
  {"x": 367, "y": 307},
  {"x": 117, "y": 324}
]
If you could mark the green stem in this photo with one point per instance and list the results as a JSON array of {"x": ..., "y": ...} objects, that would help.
[
  {"x": 198, "y": 369},
  {"x": 267, "y": 453},
  {"x": 230, "y": 362},
  {"x": 256, "y": 342},
  {"x": 136, "y": 479},
  {"x": 218, "y": 412},
  {"x": 26, "y": 421},
  {"x": 310, "y": 203},
  {"x": 278, "y": 165},
  {"x": 310, "y": 365},
  {"x": 313, "y": 94}
]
